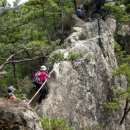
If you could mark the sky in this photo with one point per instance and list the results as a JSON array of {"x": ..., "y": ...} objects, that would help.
[{"x": 11, "y": 1}]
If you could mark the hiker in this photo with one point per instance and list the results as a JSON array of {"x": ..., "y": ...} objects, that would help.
[
  {"x": 10, "y": 91},
  {"x": 79, "y": 13},
  {"x": 39, "y": 79}
]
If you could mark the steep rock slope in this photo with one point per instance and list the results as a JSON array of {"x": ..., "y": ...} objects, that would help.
[
  {"x": 17, "y": 115},
  {"x": 79, "y": 88}
]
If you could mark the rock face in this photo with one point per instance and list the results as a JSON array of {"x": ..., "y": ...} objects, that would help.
[
  {"x": 111, "y": 23},
  {"x": 80, "y": 88},
  {"x": 16, "y": 115}
]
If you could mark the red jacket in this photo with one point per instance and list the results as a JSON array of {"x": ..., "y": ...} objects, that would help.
[
  {"x": 43, "y": 76},
  {"x": 12, "y": 97}
]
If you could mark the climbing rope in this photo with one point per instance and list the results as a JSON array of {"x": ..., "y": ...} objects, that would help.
[{"x": 42, "y": 85}]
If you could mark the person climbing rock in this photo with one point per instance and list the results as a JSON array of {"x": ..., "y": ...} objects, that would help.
[
  {"x": 10, "y": 93},
  {"x": 39, "y": 79},
  {"x": 80, "y": 13}
]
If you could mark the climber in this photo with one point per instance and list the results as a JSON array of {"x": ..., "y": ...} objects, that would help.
[
  {"x": 79, "y": 13},
  {"x": 10, "y": 91},
  {"x": 38, "y": 80}
]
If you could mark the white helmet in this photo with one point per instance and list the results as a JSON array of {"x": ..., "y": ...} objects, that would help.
[
  {"x": 10, "y": 89},
  {"x": 43, "y": 67}
]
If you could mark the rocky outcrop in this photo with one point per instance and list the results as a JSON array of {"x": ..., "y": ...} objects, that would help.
[
  {"x": 80, "y": 87},
  {"x": 17, "y": 115},
  {"x": 111, "y": 23}
]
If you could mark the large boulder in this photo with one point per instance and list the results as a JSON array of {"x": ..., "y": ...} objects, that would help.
[
  {"x": 79, "y": 88},
  {"x": 17, "y": 115}
]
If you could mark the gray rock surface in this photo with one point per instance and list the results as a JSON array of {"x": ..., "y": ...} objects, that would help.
[
  {"x": 111, "y": 23},
  {"x": 17, "y": 115},
  {"x": 80, "y": 88}
]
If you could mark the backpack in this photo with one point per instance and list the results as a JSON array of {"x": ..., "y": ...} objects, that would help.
[
  {"x": 79, "y": 13},
  {"x": 36, "y": 78}
]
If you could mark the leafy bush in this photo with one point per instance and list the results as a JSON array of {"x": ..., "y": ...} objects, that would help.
[
  {"x": 55, "y": 57},
  {"x": 117, "y": 11},
  {"x": 122, "y": 56},
  {"x": 124, "y": 69},
  {"x": 54, "y": 124},
  {"x": 21, "y": 95},
  {"x": 58, "y": 56},
  {"x": 74, "y": 55}
]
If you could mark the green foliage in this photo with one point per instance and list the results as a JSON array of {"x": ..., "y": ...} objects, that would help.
[
  {"x": 3, "y": 3},
  {"x": 121, "y": 95},
  {"x": 118, "y": 48},
  {"x": 68, "y": 23},
  {"x": 117, "y": 11},
  {"x": 122, "y": 56},
  {"x": 35, "y": 26},
  {"x": 50, "y": 63},
  {"x": 54, "y": 124},
  {"x": 112, "y": 105},
  {"x": 55, "y": 57},
  {"x": 128, "y": 8},
  {"x": 87, "y": 2},
  {"x": 58, "y": 56},
  {"x": 21, "y": 95},
  {"x": 74, "y": 55},
  {"x": 124, "y": 69}
]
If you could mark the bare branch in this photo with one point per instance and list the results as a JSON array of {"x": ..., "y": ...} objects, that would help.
[
  {"x": 3, "y": 65},
  {"x": 10, "y": 57},
  {"x": 24, "y": 60},
  {"x": 27, "y": 60}
]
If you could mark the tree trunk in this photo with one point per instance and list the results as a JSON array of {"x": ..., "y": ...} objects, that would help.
[
  {"x": 54, "y": 22},
  {"x": 45, "y": 27},
  {"x": 126, "y": 111},
  {"x": 15, "y": 77},
  {"x": 62, "y": 26}
]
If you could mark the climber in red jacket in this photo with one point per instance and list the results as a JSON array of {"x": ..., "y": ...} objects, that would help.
[{"x": 38, "y": 80}]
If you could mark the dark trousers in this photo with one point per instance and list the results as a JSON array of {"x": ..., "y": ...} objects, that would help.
[{"x": 43, "y": 92}]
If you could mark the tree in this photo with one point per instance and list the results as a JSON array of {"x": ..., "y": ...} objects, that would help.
[
  {"x": 25, "y": 33},
  {"x": 120, "y": 12},
  {"x": 121, "y": 94}
]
